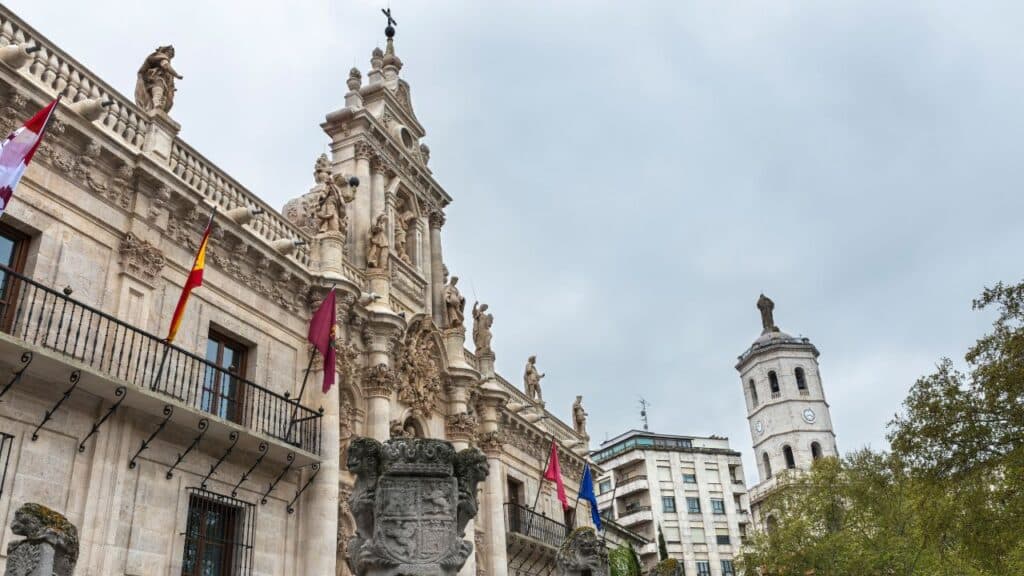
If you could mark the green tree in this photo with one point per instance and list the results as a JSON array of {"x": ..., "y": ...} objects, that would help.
[
  {"x": 662, "y": 546},
  {"x": 623, "y": 561}
]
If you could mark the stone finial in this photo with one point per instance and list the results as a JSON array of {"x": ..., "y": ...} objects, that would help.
[
  {"x": 154, "y": 86},
  {"x": 767, "y": 308},
  {"x": 412, "y": 501},
  {"x": 355, "y": 79},
  {"x": 377, "y": 59},
  {"x": 582, "y": 552},
  {"x": 50, "y": 546}
]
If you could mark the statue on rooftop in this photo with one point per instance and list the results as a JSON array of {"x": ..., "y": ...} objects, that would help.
[
  {"x": 154, "y": 88},
  {"x": 767, "y": 308},
  {"x": 330, "y": 210},
  {"x": 482, "y": 328},
  {"x": 454, "y": 304},
  {"x": 377, "y": 255},
  {"x": 579, "y": 416},
  {"x": 531, "y": 379}
]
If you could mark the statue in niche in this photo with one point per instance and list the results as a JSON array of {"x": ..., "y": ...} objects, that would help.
[
  {"x": 454, "y": 304},
  {"x": 154, "y": 87},
  {"x": 401, "y": 429},
  {"x": 482, "y": 328},
  {"x": 531, "y": 379},
  {"x": 767, "y": 308},
  {"x": 331, "y": 211},
  {"x": 579, "y": 416},
  {"x": 377, "y": 255},
  {"x": 403, "y": 216}
]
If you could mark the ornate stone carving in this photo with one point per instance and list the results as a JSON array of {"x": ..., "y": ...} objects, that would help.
[
  {"x": 481, "y": 553},
  {"x": 377, "y": 253},
  {"x": 161, "y": 196},
  {"x": 482, "y": 323},
  {"x": 121, "y": 187},
  {"x": 579, "y": 416},
  {"x": 364, "y": 151},
  {"x": 531, "y": 379},
  {"x": 767, "y": 308},
  {"x": 412, "y": 501},
  {"x": 403, "y": 216},
  {"x": 436, "y": 219},
  {"x": 140, "y": 258},
  {"x": 454, "y": 304},
  {"x": 419, "y": 368},
  {"x": 50, "y": 546},
  {"x": 378, "y": 380},
  {"x": 582, "y": 553},
  {"x": 490, "y": 442},
  {"x": 345, "y": 359},
  {"x": 461, "y": 426},
  {"x": 333, "y": 199},
  {"x": 154, "y": 86},
  {"x": 400, "y": 429}
]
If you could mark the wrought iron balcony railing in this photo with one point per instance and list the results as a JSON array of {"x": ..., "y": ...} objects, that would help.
[
  {"x": 521, "y": 520},
  {"x": 49, "y": 319}
]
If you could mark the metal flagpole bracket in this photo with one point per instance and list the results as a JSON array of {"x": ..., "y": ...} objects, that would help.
[
  {"x": 263, "y": 452},
  {"x": 203, "y": 425},
  {"x": 234, "y": 440},
  {"x": 316, "y": 470},
  {"x": 291, "y": 460},
  {"x": 75, "y": 377},
  {"x": 168, "y": 411},
  {"x": 121, "y": 393},
  {"x": 26, "y": 359}
]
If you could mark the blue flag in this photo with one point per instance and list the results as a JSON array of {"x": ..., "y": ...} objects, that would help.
[{"x": 587, "y": 493}]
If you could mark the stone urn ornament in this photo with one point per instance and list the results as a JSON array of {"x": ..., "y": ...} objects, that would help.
[
  {"x": 412, "y": 500},
  {"x": 49, "y": 547}
]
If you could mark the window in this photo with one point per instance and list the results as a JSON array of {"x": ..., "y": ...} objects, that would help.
[
  {"x": 767, "y": 465},
  {"x": 801, "y": 380},
  {"x": 815, "y": 450},
  {"x": 703, "y": 566},
  {"x": 222, "y": 387},
  {"x": 689, "y": 478},
  {"x": 664, "y": 474},
  {"x": 697, "y": 534},
  {"x": 722, "y": 539},
  {"x": 773, "y": 382},
  {"x": 605, "y": 486},
  {"x": 717, "y": 506},
  {"x": 219, "y": 536},
  {"x": 753, "y": 391},
  {"x": 788, "y": 453},
  {"x": 607, "y": 513},
  {"x": 693, "y": 505},
  {"x": 12, "y": 255},
  {"x": 727, "y": 568},
  {"x": 668, "y": 503}
]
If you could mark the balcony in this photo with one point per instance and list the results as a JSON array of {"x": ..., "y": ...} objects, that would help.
[
  {"x": 636, "y": 515},
  {"x": 521, "y": 522},
  {"x": 631, "y": 485},
  {"x": 63, "y": 333}
]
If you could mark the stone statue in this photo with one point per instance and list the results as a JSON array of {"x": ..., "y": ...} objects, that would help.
[
  {"x": 403, "y": 215},
  {"x": 767, "y": 308},
  {"x": 412, "y": 501},
  {"x": 531, "y": 379},
  {"x": 581, "y": 553},
  {"x": 399, "y": 429},
  {"x": 50, "y": 547},
  {"x": 330, "y": 206},
  {"x": 482, "y": 328},
  {"x": 454, "y": 304},
  {"x": 154, "y": 88},
  {"x": 377, "y": 255},
  {"x": 579, "y": 416}
]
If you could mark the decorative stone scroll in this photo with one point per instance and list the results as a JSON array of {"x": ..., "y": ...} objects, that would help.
[
  {"x": 582, "y": 552},
  {"x": 412, "y": 501},
  {"x": 50, "y": 547},
  {"x": 140, "y": 258}
]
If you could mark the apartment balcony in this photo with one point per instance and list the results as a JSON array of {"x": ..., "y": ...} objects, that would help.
[
  {"x": 55, "y": 335},
  {"x": 635, "y": 516},
  {"x": 631, "y": 485}
]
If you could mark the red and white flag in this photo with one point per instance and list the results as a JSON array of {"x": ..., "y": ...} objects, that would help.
[{"x": 17, "y": 151}]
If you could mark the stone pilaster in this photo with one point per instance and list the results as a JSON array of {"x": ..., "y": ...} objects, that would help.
[
  {"x": 493, "y": 519},
  {"x": 379, "y": 378},
  {"x": 160, "y": 137}
]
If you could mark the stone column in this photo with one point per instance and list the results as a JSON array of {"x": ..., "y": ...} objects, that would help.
[
  {"x": 426, "y": 264},
  {"x": 436, "y": 267},
  {"x": 377, "y": 192},
  {"x": 319, "y": 505},
  {"x": 332, "y": 252},
  {"x": 361, "y": 214},
  {"x": 494, "y": 489},
  {"x": 379, "y": 380}
]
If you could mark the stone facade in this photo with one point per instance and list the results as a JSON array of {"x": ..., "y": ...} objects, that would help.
[{"x": 138, "y": 443}]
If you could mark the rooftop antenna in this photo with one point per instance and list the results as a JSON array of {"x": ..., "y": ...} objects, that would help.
[{"x": 643, "y": 411}]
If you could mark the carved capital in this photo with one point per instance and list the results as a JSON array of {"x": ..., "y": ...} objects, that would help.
[
  {"x": 437, "y": 219},
  {"x": 379, "y": 380},
  {"x": 364, "y": 151},
  {"x": 462, "y": 426},
  {"x": 490, "y": 443}
]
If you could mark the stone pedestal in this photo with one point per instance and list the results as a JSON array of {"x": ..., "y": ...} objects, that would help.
[
  {"x": 412, "y": 502},
  {"x": 485, "y": 363},
  {"x": 50, "y": 546},
  {"x": 162, "y": 132},
  {"x": 378, "y": 281},
  {"x": 454, "y": 343},
  {"x": 332, "y": 254}
]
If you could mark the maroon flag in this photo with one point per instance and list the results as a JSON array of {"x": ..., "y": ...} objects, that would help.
[
  {"x": 321, "y": 335},
  {"x": 554, "y": 473}
]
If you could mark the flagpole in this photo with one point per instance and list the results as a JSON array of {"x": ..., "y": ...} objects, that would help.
[
  {"x": 539, "y": 487},
  {"x": 302, "y": 390},
  {"x": 160, "y": 371}
]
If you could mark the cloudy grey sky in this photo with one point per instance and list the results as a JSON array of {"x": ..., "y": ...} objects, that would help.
[{"x": 629, "y": 176}]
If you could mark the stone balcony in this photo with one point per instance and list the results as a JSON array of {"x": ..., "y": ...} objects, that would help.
[
  {"x": 636, "y": 516},
  {"x": 631, "y": 485},
  {"x": 56, "y": 335}
]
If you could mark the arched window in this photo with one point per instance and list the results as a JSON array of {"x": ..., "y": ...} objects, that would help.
[
  {"x": 773, "y": 382},
  {"x": 815, "y": 450},
  {"x": 767, "y": 465},
  {"x": 801, "y": 380},
  {"x": 753, "y": 391},
  {"x": 788, "y": 453}
]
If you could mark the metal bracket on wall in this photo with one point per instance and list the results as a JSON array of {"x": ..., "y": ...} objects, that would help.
[
  {"x": 291, "y": 460},
  {"x": 263, "y": 452},
  {"x": 26, "y": 359},
  {"x": 234, "y": 440},
  {"x": 75, "y": 377},
  {"x": 203, "y": 425},
  {"x": 316, "y": 470},
  {"x": 121, "y": 393},
  {"x": 168, "y": 411}
]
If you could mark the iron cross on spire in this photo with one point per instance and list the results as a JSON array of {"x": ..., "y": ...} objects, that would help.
[{"x": 387, "y": 12}]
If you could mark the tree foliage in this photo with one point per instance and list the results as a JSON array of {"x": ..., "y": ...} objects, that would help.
[
  {"x": 623, "y": 561},
  {"x": 947, "y": 500}
]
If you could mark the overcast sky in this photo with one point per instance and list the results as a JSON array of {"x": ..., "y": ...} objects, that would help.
[{"x": 629, "y": 176}]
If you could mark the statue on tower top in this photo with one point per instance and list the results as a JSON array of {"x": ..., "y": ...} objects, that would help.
[{"x": 767, "y": 308}]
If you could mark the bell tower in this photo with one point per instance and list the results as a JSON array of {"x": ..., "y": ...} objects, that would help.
[{"x": 789, "y": 417}]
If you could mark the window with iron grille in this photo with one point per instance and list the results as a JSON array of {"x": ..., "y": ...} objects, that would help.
[
  {"x": 693, "y": 505},
  {"x": 668, "y": 503},
  {"x": 703, "y": 568},
  {"x": 219, "y": 536},
  {"x": 727, "y": 568},
  {"x": 722, "y": 539},
  {"x": 717, "y": 506}
]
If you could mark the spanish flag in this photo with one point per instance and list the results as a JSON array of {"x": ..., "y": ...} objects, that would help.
[{"x": 195, "y": 280}]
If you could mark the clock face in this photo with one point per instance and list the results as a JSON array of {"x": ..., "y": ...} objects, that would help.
[
  {"x": 759, "y": 427},
  {"x": 809, "y": 416}
]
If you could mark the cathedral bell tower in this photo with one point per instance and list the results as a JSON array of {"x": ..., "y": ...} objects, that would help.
[{"x": 789, "y": 418}]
